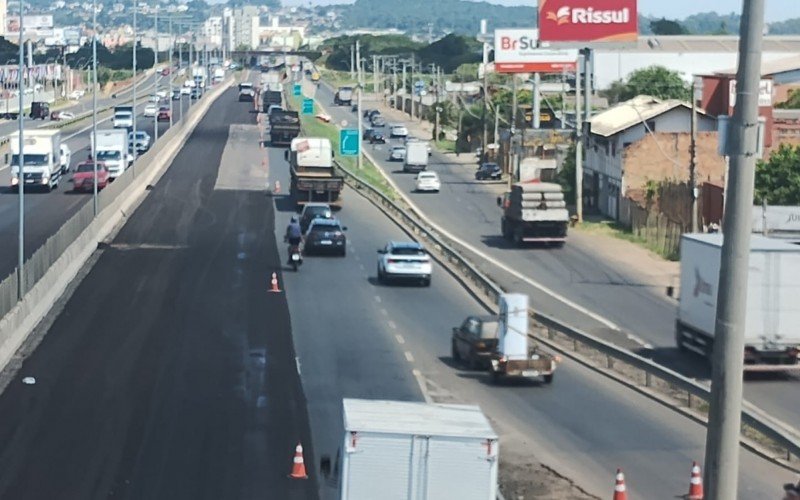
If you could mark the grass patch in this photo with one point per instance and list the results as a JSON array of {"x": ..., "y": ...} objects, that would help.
[
  {"x": 369, "y": 173},
  {"x": 615, "y": 230},
  {"x": 446, "y": 146}
]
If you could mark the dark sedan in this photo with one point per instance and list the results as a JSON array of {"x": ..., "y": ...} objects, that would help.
[
  {"x": 489, "y": 171},
  {"x": 474, "y": 341},
  {"x": 377, "y": 138},
  {"x": 325, "y": 236}
]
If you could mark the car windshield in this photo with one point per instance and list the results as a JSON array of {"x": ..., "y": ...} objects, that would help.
[
  {"x": 108, "y": 155},
  {"x": 399, "y": 149},
  {"x": 407, "y": 251},
  {"x": 31, "y": 160},
  {"x": 123, "y": 116},
  {"x": 427, "y": 176},
  {"x": 141, "y": 135},
  {"x": 312, "y": 212},
  {"x": 87, "y": 167}
]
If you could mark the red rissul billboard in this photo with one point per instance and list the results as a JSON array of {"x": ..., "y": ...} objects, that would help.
[{"x": 588, "y": 20}]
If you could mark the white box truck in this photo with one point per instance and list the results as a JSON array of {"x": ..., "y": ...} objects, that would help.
[
  {"x": 112, "y": 150},
  {"x": 396, "y": 450},
  {"x": 314, "y": 178},
  {"x": 416, "y": 156},
  {"x": 772, "y": 325},
  {"x": 41, "y": 157}
]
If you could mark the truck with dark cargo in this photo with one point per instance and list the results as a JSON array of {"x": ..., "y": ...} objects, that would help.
[
  {"x": 772, "y": 322},
  {"x": 270, "y": 97},
  {"x": 343, "y": 96},
  {"x": 283, "y": 127},
  {"x": 534, "y": 212},
  {"x": 313, "y": 176}
]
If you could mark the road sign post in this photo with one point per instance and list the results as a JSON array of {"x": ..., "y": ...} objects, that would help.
[
  {"x": 308, "y": 106},
  {"x": 349, "y": 143}
]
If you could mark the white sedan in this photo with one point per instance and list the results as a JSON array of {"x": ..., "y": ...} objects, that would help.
[
  {"x": 76, "y": 94},
  {"x": 428, "y": 181},
  {"x": 161, "y": 94},
  {"x": 398, "y": 131},
  {"x": 404, "y": 260},
  {"x": 186, "y": 90},
  {"x": 150, "y": 110}
]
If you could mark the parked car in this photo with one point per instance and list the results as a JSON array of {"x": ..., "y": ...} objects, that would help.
[
  {"x": 325, "y": 235},
  {"x": 83, "y": 178},
  {"x": 488, "y": 171},
  {"x": 313, "y": 211},
  {"x": 398, "y": 131},
  {"x": 377, "y": 138},
  {"x": 473, "y": 342},
  {"x": 427, "y": 181},
  {"x": 66, "y": 158},
  {"x": 150, "y": 110},
  {"x": 163, "y": 115},
  {"x": 398, "y": 153},
  {"x": 404, "y": 260}
]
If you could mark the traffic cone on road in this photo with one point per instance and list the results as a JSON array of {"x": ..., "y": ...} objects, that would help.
[
  {"x": 298, "y": 465},
  {"x": 274, "y": 284},
  {"x": 695, "y": 484},
  {"x": 620, "y": 491}
]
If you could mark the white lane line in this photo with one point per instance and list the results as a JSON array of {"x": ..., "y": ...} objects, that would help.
[
  {"x": 393, "y": 326},
  {"x": 423, "y": 387},
  {"x": 409, "y": 356},
  {"x": 362, "y": 267},
  {"x": 400, "y": 339},
  {"x": 377, "y": 299},
  {"x": 297, "y": 364},
  {"x": 384, "y": 312}
]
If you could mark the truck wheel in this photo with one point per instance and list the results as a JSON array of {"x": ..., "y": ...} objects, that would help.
[
  {"x": 474, "y": 364},
  {"x": 548, "y": 379},
  {"x": 504, "y": 229},
  {"x": 496, "y": 378},
  {"x": 454, "y": 352},
  {"x": 518, "y": 238}
]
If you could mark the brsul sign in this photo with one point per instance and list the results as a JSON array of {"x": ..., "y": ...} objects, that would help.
[
  {"x": 516, "y": 51},
  {"x": 588, "y": 20}
]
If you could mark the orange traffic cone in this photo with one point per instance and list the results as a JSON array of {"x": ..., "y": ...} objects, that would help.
[
  {"x": 620, "y": 491},
  {"x": 298, "y": 466},
  {"x": 277, "y": 189},
  {"x": 274, "y": 284},
  {"x": 695, "y": 484}
]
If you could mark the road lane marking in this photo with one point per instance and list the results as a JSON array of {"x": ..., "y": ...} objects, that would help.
[
  {"x": 362, "y": 266},
  {"x": 297, "y": 365},
  {"x": 393, "y": 326},
  {"x": 409, "y": 357},
  {"x": 377, "y": 299},
  {"x": 400, "y": 339},
  {"x": 384, "y": 312},
  {"x": 423, "y": 386}
]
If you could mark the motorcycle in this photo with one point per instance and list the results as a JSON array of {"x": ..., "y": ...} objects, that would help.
[{"x": 295, "y": 257}]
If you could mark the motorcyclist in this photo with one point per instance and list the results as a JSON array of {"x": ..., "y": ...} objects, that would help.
[{"x": 294, "y": 235}]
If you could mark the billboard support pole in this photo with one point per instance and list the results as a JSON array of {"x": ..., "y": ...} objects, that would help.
[
  {"x": 537, "y": 101},
  {"x": 578, "y": 146}
]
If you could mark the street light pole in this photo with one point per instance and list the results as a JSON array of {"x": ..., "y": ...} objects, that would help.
[
  {"x": 21, "y": 161},
  {"x": 135, "y": 48},
  {"x": 155, "y": 65},
  {"x": 358, "y": 111},
  {"x": 94, "y": 106},
  {"x": 170, "y": 73}
]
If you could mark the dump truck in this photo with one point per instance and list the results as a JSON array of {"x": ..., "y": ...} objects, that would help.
[
  {"x": 283, "y": 127},
  {"x": 270, "y": 97},
  {"x": 343, "y": 96},
  {"x": 313, "y": 176},
  {"x": 534, "y": 212},
  {"x": 772, "y": 323},
  {"x": 398, "y": 450},
  {"x": 515, "y": 356}
]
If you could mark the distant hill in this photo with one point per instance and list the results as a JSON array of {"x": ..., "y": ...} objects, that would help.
[{"x": 438, "y": 16}]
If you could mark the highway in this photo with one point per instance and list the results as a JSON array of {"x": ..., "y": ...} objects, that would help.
[
  {"x": 45, "y": 213},
  {"x": 579, "y": 273},
  {"x": 170, "y": 372}
]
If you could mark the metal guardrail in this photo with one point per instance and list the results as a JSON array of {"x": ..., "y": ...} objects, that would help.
[{"x": 652, "y": 376}]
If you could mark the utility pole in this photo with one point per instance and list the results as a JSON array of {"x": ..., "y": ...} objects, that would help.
[
  {"x": 94, "y": 109},
  {"x": 155, "y": 65},
  {"x": 375, "y": 74},
  {"x": 358, "y": 106},
  {"x": 725, "y": 410},
  {"x": 578, "y": 146},
  {"x": 413, "y": 86},
  {"x": 485, "y": 92},
  {"x": 587, "y": 87},
  {"x": 536, "y": 96},
  {"x": 352, "y": 61},
  {"x": 169, "y": 78},
  {"x": 21, "y": 159},
  {"x": 135, "y": 48},
  {"x": 511, "y": 142},
  {"x": 403, "y": 109},
  {"x": 693, "y": 161}
]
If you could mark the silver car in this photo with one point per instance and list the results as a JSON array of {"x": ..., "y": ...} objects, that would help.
[{"x": 398, "y": 153}]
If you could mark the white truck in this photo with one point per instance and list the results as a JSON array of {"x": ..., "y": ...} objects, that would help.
[
  {"x": 41, "y": 157},
  {"x": 219, "y": 75},
  {"x": 772, "y": 325},
  {"x": 416, "y": 156},
  {"x": 394, "y": 450},
  {"x": 112, "y": 149},
  {"x": 199, "y": 76}
]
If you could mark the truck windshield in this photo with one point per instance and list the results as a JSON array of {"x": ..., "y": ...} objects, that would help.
[
  {"x": 108, "y": 155},
  {"x": 31, "y": 160}
]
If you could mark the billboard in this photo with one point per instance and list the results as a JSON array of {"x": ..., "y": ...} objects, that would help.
[
  {"x": 34, "y": 25},
  {"x": 588, "y": 20},
  {"x": 517, "y": 51},
  {"x": 764, "y": 93}
]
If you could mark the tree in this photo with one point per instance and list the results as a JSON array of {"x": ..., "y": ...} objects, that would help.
[
  {"x": 793, "y": 102},
  {"x": 566, "y": 175},
  {"x": 614, "y": 92},
  {"x": 656, "y": 81},
  {"x": 665, "y": 26},
  {"x": 778, "y": 179}
]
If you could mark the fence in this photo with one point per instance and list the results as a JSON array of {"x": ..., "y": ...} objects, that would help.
[{"x": 660, "y": 232}]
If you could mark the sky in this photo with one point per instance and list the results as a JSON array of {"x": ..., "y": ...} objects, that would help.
[{"x": 777, "y": 10}]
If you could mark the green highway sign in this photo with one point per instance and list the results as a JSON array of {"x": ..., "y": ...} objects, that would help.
[
  {"x": 349, "y": 145},
  {"x": 297, "y": 91},
  {"x": 308, "y": 106}
]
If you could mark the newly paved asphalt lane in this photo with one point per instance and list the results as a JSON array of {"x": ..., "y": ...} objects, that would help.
[
  {"x": 170, "y": 373},
  {"x": 468, "y": 210},
  {"x": 356, "y": 338}
]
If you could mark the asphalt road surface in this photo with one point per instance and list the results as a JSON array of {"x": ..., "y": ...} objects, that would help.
[
  {"x": 468, "y": 209},
  {"x": 357, "y": 338},
  {"x": 170, "y": 373}
]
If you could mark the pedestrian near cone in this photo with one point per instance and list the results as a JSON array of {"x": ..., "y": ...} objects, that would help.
[
  {"x": 620, "y": 491},
  {"x": 695, "y": 484},
  {"x": 298, "y": 465},
  {"x": 274, "y": 284}
]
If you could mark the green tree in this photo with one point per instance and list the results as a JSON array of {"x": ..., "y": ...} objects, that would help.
[
  {"x": 778, "y": 179},
  {"x": 566, "y": 176},
  {"x": 615, "y": 92},
  {"x": 656, "y": 81},
  {"x": 793, "y": 102},
  {"x": 665, "y": 26}
]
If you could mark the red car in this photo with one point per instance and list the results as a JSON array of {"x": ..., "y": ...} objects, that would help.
[
  {"x": 165, "y": 72},
  {"x": 163, "y": 115},
  {"x": 83, "y": 178}
]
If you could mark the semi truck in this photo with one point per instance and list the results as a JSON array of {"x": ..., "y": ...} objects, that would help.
[
  {"x": 41, "y": 159},
  {"x": 772, "y": 324},
  {"x": 313, "y": 176},
  {"x": 416, "y": 159},
  {"x": 284, "y": 126},
  {"x": 393, "y": 450},
  {"x": 534, "y": 212},
  {"x": 112, "y": 149},
  {"x": 343, "y": 96}
]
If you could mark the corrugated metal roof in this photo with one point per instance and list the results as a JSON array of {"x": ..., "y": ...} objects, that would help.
[
  {"x": 627, "y": 114},
  {"x": 704, "y": 43},
  {"x": 428, "y": 419},
  {"x": 757, "y": 242},
  {"x": 769, "y": 68}
]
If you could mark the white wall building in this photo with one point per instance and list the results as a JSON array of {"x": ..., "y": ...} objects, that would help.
[
  {"x": 245, "y": 24},
  {"x": 211, "y": 31}
]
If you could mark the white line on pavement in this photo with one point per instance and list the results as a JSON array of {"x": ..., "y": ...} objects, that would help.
[
  {"x": 400, "y": 339},
  {"x": 377, "y": 299},
  {"x": 422, "y": 385},
  {"x": 393, "y": 326},
  {"x": 409, "y": 357}
]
